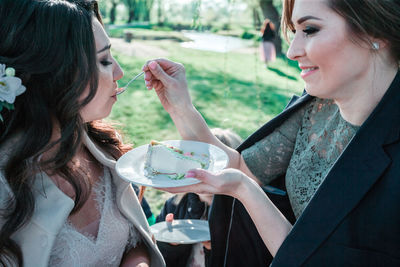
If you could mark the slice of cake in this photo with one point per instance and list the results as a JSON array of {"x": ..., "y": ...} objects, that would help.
[{"x": 171, "y": 161}]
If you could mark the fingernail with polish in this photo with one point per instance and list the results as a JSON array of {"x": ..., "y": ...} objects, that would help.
[{"x": 152, "y": 65}]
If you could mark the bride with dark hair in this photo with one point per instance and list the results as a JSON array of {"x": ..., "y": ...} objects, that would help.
[{"x": 61, "y": 201}]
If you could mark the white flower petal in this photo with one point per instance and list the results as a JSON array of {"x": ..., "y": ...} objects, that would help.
[
  {"x": 4, "y": 88},
  {"x": 11, "y": 89},
  {"x": 13, "y": 83},
  {"x": 20, "y": 90},
  {"x": 10, "y": 86},
  {"x": 10, "y": 98}
]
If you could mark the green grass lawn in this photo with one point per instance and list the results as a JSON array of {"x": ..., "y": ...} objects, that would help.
[{"x": 231, "y": 90}]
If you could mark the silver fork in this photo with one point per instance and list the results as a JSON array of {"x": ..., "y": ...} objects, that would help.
[{"x": 122, "y": 89}]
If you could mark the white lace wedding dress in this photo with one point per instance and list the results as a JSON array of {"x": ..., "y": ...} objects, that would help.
[{"x": 115, "y": 235}]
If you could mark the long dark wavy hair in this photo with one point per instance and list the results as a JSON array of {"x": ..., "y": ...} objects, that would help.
[{"x": 50, "y": 44}]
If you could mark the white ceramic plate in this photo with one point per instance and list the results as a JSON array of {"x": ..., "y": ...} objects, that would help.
[
  {"x": 182, "y": 231},
  {"x": 131, "y": 165}
]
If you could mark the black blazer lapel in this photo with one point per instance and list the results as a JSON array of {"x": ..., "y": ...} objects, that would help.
[
  {"x": 348, "y": 181},
  {"x": 355, "y": 172}
]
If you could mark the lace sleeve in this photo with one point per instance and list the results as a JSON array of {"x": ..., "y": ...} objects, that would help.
[{"x": 270, "y": 157}]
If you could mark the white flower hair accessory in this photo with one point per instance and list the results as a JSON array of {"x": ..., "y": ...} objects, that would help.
[{"x": 10, "y": 88}]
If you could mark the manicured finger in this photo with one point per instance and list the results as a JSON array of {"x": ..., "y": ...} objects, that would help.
[
  {"x": 163, "y": 62},
  {"x": 148, "y": 76},
  {"x": 199, "y": 174},
  {"x": 158, "y": 72},
  {"x": 148, "y": 84}
]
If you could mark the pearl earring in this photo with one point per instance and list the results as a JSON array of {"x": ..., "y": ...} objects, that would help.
[{"x": 375, "y": 45}]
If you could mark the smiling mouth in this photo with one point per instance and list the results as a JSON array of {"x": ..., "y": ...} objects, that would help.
[
  {"x": 305, "y": 72},
  {"x": 308, "y": 70}
]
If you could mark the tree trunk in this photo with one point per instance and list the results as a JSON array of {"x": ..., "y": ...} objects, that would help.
[
  {"x": 160, "y": 20},
  {"x": 113, "y": 12},
  {"x": 131, "y": 5},
  {"x": 131, "y": 15},
  {"x": 148, "y": 6},
  {"x": 256, "y": 19},
  {"x": 146, "y": 16},
  {"x": 270, "y": 12},
  {"x": 136, "y": 15}
]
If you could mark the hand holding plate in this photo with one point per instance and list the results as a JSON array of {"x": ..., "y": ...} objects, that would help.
[{"x": 225, "y": 182}]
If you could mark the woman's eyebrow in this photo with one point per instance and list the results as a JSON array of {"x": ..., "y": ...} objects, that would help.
[
  {"x": 104, "y": 48},
  {"x": 305, "y": 18}
]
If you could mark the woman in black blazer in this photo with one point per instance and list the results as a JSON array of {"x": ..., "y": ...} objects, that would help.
[{"x": 335, "y": 150}]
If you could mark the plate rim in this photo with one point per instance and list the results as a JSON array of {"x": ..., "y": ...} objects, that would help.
[
  {"x": 189, "y": 181},
  {"x": 203, "y": 223}
]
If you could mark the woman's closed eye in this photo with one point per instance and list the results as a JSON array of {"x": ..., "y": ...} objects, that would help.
[
  {"x": 309, "y": 30},
  {"x": 106, "y": 62}
]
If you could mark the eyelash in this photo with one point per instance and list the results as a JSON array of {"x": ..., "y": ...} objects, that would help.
[
  {"x": 106, "y": 62},
  {"x": 308, "y": 30}
]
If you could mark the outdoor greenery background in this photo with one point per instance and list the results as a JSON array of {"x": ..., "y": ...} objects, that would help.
[{"x": 231, "y": 90}]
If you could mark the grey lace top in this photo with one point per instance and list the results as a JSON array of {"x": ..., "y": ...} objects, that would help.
[{"x": 305, "y": 146}]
